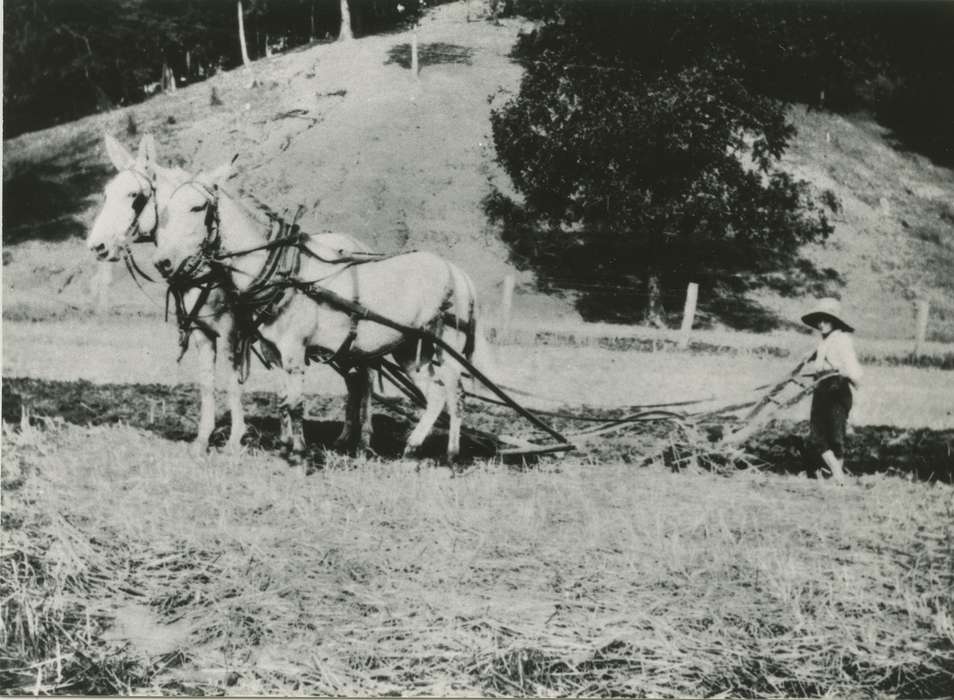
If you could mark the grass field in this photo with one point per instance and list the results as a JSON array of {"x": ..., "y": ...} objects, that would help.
[{"x": 128, "y": 567}]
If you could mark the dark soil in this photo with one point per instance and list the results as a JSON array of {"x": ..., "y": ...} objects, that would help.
[{"x": 171, "y": 411}]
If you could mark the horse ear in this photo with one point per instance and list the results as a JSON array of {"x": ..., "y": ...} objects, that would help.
[
  {"x": 147, "y": 152},
  {"x": 218, "y": 175},
  {"x": 120, "y": 157}
]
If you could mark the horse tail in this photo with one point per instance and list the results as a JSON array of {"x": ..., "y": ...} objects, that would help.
[
  {"x": 482, "y": 356},
  {"x": 476, "y": 348}
]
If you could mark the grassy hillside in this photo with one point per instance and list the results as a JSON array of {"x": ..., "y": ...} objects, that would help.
[{"x": 346, "y": 130}]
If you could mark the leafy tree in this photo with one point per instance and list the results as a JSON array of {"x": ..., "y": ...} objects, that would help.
[
  {"x": 643, "y": 157},
  {"x": 64, "y": 59}
]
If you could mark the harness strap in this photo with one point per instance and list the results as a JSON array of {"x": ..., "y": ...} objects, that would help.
[
  {"x": 190, "y": 320},
  {"x": 134, "y": 268},
  {"x": 346, "y": 344},
  {"x": 266, "y": 296},
  {"x": 344, "y": 256}
]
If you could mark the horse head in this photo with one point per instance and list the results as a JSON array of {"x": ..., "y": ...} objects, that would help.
[
  {"x": 130, "y": 211},
  {"x": 188, "y": 237}
]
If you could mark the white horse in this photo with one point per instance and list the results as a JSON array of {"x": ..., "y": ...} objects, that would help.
[
  {"x": 130, "y": 213},
  {"x": 421, "y": 291}
]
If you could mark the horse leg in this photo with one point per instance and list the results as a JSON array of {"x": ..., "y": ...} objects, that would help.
[
  {"x": 455, "y": 407},
  {"x": 292, "y": 409},
  {"x": 364, "y": 410},
  {"x": 236, "y": 411},
  {"x": 345, "y": 441},
  {"x": 205, "y": 347},
  {"x": 435, "y": 395}
]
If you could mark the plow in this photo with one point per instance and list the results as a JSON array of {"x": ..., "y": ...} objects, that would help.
[{"x": 744, "y": 418}]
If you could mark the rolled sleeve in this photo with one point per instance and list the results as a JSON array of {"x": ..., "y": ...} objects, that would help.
[{"x": 845, "y": 360}]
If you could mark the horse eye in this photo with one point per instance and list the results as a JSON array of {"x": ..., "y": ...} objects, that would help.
[{"x": 132, "y": 195}]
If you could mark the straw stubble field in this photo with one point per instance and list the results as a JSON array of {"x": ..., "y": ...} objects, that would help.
[{"x": 129, "y": 567}]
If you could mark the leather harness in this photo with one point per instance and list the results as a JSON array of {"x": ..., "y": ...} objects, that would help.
[{"x": 276, "y": 284}]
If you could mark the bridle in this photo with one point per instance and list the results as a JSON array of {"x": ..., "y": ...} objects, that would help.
[
  {"x": 133, "y": 232},
  {"x": 184, "y": 277},
  {"x": 208, "y": 254}
]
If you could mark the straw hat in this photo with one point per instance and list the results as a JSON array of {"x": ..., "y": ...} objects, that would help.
[{"x": 827, "y": 309}]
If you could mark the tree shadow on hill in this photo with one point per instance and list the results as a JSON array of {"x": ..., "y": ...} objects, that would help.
[
  {"x": 43, "y": 200},
  {"x": 430, "y": 55}
]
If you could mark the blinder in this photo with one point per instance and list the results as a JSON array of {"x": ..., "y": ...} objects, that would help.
[
  {"x": 139, "y": 203},
  {"x": 134, "y": 233}
]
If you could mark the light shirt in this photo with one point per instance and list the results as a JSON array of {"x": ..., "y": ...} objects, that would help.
[{"x": 836, "y": 352}]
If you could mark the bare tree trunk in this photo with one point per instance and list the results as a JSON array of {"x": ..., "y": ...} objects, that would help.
[
  {"x": 241, "y": 30},
  {"x": 168, "y": 80},
  {"x": 654, "y": 307},
  {"x": 312, "y": 35},
  {"x": 345, "y": 34}
]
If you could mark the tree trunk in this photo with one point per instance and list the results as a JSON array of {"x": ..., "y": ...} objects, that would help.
[
  {"x": 345, "y": 33},
  {"x": 168, "y": 81},
  {"x": 654, "y": 307},
  {"x": 312, "y": 35},
  {"x": 241, "y": 30}
]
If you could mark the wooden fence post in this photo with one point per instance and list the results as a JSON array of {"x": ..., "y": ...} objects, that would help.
[
  {"x": 921, "y": 332},
  {"x": 506, "y": 303},
  {"x": 688, "y": 314},
  {"x": 414, "y": 63}
]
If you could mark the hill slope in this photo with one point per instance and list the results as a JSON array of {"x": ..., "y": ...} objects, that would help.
[{"x": 345, "y": 130}]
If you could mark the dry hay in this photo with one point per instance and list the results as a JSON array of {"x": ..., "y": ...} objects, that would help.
[{"x": 128, "y": 566}]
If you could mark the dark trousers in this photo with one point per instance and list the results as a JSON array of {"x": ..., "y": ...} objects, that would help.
[{"x": 831, "y": 403}]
